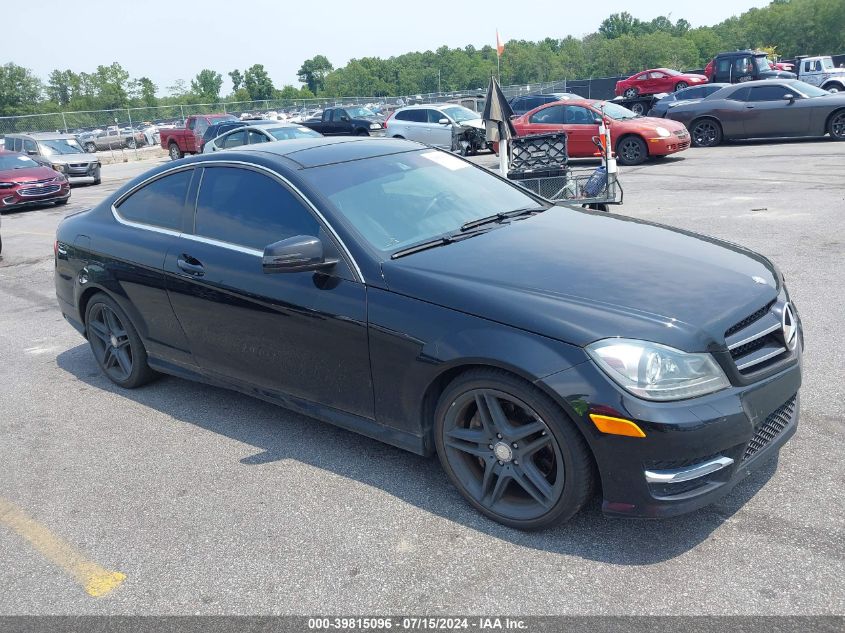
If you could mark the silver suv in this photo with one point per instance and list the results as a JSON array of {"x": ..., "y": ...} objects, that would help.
[
  {"x": 62, "y": 152},
  {"x": 431, "y": 123}
]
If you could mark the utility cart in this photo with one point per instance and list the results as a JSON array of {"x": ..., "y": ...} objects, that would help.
[{"x": 540, "y": 163}]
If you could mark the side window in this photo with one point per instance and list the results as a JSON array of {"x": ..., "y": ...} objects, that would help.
[
  {"x": 739, "y": 95},
  {"x": 578, "y": 115},
  {"x": 202, "y": 126},
  {"x": 254, "y": 136},
  {"x": 244, "y": 207},
  {"x": 518, "y": 104},
  {"x": 159, "y": 203},
  {"x": 434, "y": 116},
  {"x": 642, "y": 77},
  {"x": 417, "y": 116},
  {"x": 235, "y": 139},
  {"x": 29, "y": 146},
  {"x": 657, "y": 75},
  {"x": 192, "y": 123},
  {"x": 768, "y": 93},
  {"x": 339, "y": 114},
  {"x": 807, "y": 66},
  {"x": 404, "y": 115},
  {"x": 743, "y": 66},
  {"x": 723, "y": 67},
  {"x": 549, "y": 116},
  {"x": 692, "y": 93}
]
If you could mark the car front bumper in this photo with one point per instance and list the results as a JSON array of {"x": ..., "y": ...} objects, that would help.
[
  {"x": 669, "y": 145},
  {"x": 13, "y": 199},
  {"x": 694, "y": 451}
]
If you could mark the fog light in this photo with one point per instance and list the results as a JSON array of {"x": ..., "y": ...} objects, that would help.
[{"x": 616, "y": 426}]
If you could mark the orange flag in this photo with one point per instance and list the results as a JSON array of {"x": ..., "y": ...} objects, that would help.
[{"x": 500, "y": 48}]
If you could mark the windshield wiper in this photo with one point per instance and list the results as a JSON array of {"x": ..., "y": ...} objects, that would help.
[
  {"x": 501, "y": 217},
  {"x": 440, "y": 241}
]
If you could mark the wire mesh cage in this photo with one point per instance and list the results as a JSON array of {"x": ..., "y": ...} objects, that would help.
[{"x": 584, "y": 186}]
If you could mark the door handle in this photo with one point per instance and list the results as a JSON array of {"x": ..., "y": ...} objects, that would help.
[
  {"x": 749, "y": 106},
  {"x": 190, "y": 265}
]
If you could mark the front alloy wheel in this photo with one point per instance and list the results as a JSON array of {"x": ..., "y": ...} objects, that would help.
[
  {"x": 706, "y": 133},
  {"x": 631, "y": 150},
  {"x": 509, "y": 453}
]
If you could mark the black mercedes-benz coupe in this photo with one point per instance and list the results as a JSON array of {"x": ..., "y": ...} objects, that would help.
[{"x": 543, "y": 352}]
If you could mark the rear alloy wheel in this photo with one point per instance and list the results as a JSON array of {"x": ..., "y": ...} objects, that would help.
[
  {"x": 175, "y": 152},
  {"x": 115, "y": 343},
  {"x": 631, "y": 150},
  {"x": 836, "y": 127},
  {"x": 131, "y": 143},
  {"x": 706, "y": 133},
  {"x": 510, "y": 451},
  {"x": 681, "y": 85},
  {"x": 834, "y": 88},
  {"x": 630, "y": 93},
  {"x": 638, "y": 108},
  {"x": 90, "y": 148}
]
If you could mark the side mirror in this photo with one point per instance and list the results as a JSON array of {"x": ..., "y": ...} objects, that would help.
[
  {"x": 444, "y": 121},
  {"x": 32, "y": 152},
  {"x": 789, "y": 97},
  {"x": 295, "y": 254},
  {"x": 344, "y": 118}
]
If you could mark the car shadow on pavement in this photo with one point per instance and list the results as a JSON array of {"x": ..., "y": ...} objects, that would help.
[{"x": 278, "y": 434}]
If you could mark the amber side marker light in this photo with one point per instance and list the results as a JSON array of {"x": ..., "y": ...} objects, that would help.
[{"x": 616, "y": 426}]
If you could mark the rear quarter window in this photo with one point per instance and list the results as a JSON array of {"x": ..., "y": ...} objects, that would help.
[{"x": 160, "y": 203}]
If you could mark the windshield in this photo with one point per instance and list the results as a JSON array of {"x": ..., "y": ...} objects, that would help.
[
  {"x": 669, "y": 71},
  {"x": 763, "y": 63},
  {"x": 59, "y": 146},
  {"x": 402, "y": 199},
  {"x": 615, "y": 111},
  {"x": 459, "y": 114},
  {"x": 13, "y": 161},
  {"x": 352, "y": 112},
  {"x": 806, "y": 89},
  {"x": 288, "y": 132}
]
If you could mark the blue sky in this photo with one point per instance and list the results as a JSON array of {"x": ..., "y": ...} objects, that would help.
[{"x": 168, "y": 40}]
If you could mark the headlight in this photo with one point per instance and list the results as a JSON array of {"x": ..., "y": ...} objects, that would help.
[
  {"x": 59, "y": 168},
  {"x": 662, "y": 132},
  {"x": 657, "y": 372},
  {"x": 375, "y": 126}
]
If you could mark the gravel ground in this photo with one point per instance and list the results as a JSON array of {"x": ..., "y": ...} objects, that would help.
[{"x": 211, "y": 502}]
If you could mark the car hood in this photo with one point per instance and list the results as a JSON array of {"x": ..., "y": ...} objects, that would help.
[
  {"x": 66, "y": 159},
  {"x": 579, "y": 276},
  {"x": 27, "y": 175}
]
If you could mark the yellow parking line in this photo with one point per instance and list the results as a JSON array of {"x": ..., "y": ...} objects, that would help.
[{"x": 96, "y": 580}]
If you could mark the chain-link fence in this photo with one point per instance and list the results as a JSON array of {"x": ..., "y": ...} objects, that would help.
[{"x": 82, "y": 121}]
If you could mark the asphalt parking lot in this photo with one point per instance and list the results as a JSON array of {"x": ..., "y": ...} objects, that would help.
[{"x": 210, "y": 502}]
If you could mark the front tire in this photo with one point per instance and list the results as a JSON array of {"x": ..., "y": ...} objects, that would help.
[
  {"x": 706, "y": 133},
  {"x": 115, "y": 343},
  {"x": 630, "y": 93},
  {"x": 90, "y": 148},
  {"x": 510, "y": 450},
  {"x": 174, "y": 151},
  {"x": 631, "y": 150},
  {"x": 62, "y": 202},
  {"x": 131, "y": 144},
  {"x": 681, "y": 85},
  {"x": 836, "y": 126}
]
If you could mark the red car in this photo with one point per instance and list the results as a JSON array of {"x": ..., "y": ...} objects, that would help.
[
  {"x": 24, "y": 182},
  {"x": 188, "y": 140},
  {"x": 650, "y": 82},
  {"x": 635, "y": 138}
]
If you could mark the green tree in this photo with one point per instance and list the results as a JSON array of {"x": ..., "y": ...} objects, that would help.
[
  {"x": 206, "y": 86},
  {"x": 111, "y": 83},
  {"x": 58, "y": 88},
  {"x": 237, "y": 79},
  {"x": 257, "y": 83},
  {"x": 20, "y": 90},
  {"x": 313, "y": 72},
  {"x": 147, "y": 91}
]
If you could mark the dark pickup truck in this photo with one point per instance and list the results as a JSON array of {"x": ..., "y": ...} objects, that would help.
[
  {"x": 745, "y": 65},
  {"x": 350, "y": 121}
]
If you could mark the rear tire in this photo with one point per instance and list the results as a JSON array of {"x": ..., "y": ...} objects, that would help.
[
  {"x": 174, "y": 151},
  {"x": 90, "y": 148},
  {"x": 706, "y": 133},
  {"x": 638, "y": 108},
  {"x": 131, "y": 143},
  {"x": 115, "y": 343},
  {"x": 835, "y": 88},
  {"x": 631, "y": 150},
  {"x": 836, "y": 126},
  {"x": 630, "y": 93},
  {"x": 539, "y": 471}
]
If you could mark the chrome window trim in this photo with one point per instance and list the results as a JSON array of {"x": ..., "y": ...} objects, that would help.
[
  {"x": 754, "y": 337},
  {"x": 236, "y": 247}
]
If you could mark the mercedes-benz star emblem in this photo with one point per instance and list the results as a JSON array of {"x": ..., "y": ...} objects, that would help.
[{"x": 790, "y": 327}]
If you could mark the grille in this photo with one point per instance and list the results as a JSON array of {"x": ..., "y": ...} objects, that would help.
[
  {"x": 39, "y": 191},
  {"x": 749, "y": 319},
  {"x": 680, "y": 463},
  {"x": 771, "y": 427}
]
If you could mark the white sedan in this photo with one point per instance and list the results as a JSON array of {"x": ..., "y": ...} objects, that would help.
[{"x": 261, "y": 133}]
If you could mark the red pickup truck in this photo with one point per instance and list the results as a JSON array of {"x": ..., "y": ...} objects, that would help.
[{"x": 188, "y": 139}]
